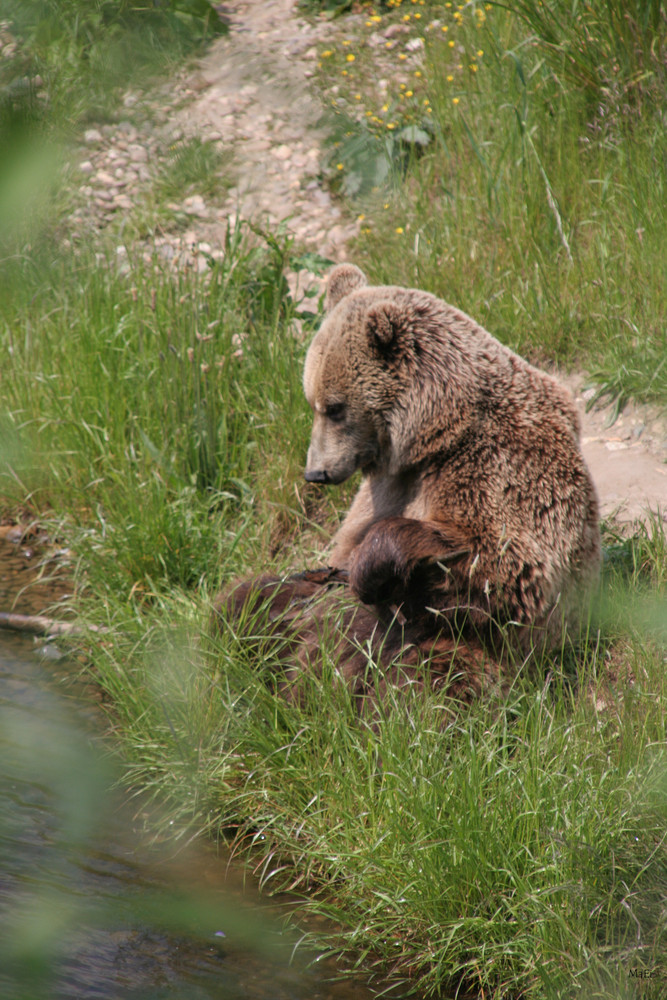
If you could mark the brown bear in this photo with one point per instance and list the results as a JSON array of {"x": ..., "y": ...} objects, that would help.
[{"x": 475, "y": 529}]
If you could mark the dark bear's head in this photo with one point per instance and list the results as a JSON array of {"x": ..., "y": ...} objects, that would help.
[{"x": 352, "y": 377}]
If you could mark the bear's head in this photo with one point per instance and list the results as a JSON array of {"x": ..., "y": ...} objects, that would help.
[{"x": 353, "y": 377}]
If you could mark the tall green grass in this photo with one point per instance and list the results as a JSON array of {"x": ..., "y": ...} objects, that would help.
[
  {"x": 155, "y": 419},
  {"x": 538, "y": 205},
  {"x": 68, "y": 63},
  {"x": 515, "y": 848},
  {"x": 150, "y": 409},
  {"x": 73, "y": 57}
]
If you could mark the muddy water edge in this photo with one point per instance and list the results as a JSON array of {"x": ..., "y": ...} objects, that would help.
[{"x": 90, "y": 906}]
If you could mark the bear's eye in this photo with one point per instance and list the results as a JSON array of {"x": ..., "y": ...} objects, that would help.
[{"x": 335, "y": 412}]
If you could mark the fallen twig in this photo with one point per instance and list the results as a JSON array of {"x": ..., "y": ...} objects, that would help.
[{"x": 40, "y": 625}]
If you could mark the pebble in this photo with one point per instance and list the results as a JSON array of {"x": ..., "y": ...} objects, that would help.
[
  {"x": 138, "y": 154},
  {"x": 195, "y": 205},
  {"x": 103, "y": 177}
]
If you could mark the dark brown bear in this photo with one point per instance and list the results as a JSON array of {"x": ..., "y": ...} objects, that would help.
[{"x": 475, "y": 528}]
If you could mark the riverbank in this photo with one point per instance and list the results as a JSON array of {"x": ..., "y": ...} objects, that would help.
[{"x": 153, "y": 400}]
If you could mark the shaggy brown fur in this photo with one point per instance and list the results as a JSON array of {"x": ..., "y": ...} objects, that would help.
[{"x": 476, "y": 513}]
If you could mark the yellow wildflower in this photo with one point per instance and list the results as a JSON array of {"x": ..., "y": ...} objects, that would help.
[
  {"x": 399, "y": 230},
  {"x": 444, "y": 28},
  {"x": 339, "y": 166},
  {"x": 455, "y": 100},
  {"x": 480, "y": 53},
  {"x": 350, "y": 57},
  {"x": 408, "y": 93},
  {"x": 451, "y": 44},
  {"x": 473, "y": 67},
  {"x": 450, "y": 78},
  {"x": 326, "y": 54},
  {"x": 402, "y": 55}
]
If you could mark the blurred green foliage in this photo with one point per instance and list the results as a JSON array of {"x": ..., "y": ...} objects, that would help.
[{"x": 62, "y": 61}]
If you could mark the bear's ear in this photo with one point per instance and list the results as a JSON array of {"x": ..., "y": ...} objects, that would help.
[
  {"x": 344, "y": 278},
  {"x": 384, "y": 322}
]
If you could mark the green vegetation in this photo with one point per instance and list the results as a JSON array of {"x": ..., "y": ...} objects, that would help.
[
  {"x": 65, "y": 64},
  {"x": 530, "y": 188},
  {"x": 519, "y": 849},
  {"x": 155, "y": 419},
  {"x": 70, "y": 58}
]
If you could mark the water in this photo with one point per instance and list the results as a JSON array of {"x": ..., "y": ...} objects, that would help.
[{"x": 88, "y": 907}]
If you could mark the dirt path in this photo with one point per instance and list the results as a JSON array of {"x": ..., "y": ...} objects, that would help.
[
  {"x": 251, "y": 91},
  {"x": 251, "y": 94},
  {"x": 627, "y": 458}
]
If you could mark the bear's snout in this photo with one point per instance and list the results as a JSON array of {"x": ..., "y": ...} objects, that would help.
[{"x": 316, "y": 476}]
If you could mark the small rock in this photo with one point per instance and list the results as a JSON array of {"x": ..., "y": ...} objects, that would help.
[
  {"x": 414, "y": 44},
  {"x": 395, "y": 29},
  {"x": 337, "y": 234},
  {"x": 104, "y": 177},
  {"x": 92, "y": 135},
  {"x": 86, "y": 167},
  {"x": 128, "y": 130},
  {"x": 51, "y": 652},
  {"x": 282, "y": 152},
  {"x": 195, "y": 205},
  {"x": 122, "y": 201},
  {"x": 137, "y": 153}
]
